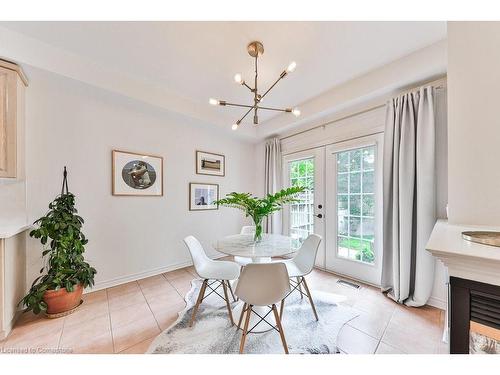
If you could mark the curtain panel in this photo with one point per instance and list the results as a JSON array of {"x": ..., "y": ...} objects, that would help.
[
  {"x": 409, "y": 195},
  {"x": 273, "y": 223}
]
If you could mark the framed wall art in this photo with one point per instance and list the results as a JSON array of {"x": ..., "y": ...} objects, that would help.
[
  {"x": 202, "y": 196},
  {"x": 211, "y": 164},
  {"x": 137, "y": 174}
]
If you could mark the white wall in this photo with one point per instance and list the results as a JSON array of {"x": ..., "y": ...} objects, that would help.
[
  {"x": 474, "y": 125},
  {"x": 77, "y": 125}
]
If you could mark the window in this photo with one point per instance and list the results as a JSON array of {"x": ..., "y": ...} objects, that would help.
[
  {"x": 302, "y": 212},
  {"x": 356, "y": 204}
]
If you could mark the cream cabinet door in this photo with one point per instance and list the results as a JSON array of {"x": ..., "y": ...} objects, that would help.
[{"x": 8, "y": 97}]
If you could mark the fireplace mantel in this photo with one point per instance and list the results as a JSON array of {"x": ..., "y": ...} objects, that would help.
[
  {"x": 465, "y": 259},
  {"x": 474, "y": 271}
]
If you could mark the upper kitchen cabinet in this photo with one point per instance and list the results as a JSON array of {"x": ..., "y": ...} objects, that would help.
[{"x": 12, "y": 86}]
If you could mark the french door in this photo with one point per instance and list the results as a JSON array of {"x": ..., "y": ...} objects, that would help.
[
  {"x": 306, "y": 216},
  {"x": 342, "y": 203},
  {"x": 354, "y": 208}
]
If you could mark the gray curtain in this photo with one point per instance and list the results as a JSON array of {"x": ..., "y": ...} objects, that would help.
[
  {"x": 273, "y": 172},
  {"x": 409, "y": 197}
]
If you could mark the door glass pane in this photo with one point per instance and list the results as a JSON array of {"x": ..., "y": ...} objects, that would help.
[
  {"x": 302, "y": 212},
  {"x": 342, "y": 183},
  {"x": 356, "y": 204},
  {"x": 355, "y": 182}
]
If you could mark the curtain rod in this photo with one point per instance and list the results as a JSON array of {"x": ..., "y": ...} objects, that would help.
[
  {"x": 441, "y": 84},
  {"x": 334, "y": 143},
  {"x": 333, "y": 121}
]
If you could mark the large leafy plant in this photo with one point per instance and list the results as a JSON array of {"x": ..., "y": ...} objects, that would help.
[
  {"x": 259, "y": 208},
  {"x": 60, "y": 233}
]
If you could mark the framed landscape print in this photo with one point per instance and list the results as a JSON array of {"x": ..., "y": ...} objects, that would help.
[
  {"x": 137, "y": 174},
  {"x": 203, "y": 196},
  {"x": 210, "y": 164}
]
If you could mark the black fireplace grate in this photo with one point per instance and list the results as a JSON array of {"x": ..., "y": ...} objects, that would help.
[{"x": 485, "y": 309}]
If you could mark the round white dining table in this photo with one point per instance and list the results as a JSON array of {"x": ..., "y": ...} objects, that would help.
[
  {"x": 243, "y": 245},
  {"x": 271, "y": 245}
]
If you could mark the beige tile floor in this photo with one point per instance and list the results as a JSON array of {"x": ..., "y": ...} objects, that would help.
[{"x": 126, "y": 319}]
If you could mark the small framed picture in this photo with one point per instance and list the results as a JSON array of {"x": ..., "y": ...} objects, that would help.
[
  {"x": 210, "y": 164},
  {"x": 203, "y": 196},
  {"x": 137, "y": 174}
]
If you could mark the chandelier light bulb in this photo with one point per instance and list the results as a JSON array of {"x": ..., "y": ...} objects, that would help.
[
  {"x": 213, "y": 101},
  {"x": 296, "y": 112},
  {"x": 235, "y": 127},
  {"x": 291, "y": 67},
  {"x": 238, "y": 78}
]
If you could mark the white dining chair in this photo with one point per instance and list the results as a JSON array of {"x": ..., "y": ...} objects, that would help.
[
  {"x": 300, "y": 266},
  {"x": 243, "y": 261},
  {"x": 212, "y": 272},
  {"x": 262, "y": 284}
]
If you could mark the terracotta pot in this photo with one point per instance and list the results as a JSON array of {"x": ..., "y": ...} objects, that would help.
[{"x": 59, "y": 301}]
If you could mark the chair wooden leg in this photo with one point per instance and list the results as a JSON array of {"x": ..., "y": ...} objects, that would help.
[
  {"x": 310, "y": 298},
  {"x": 227, "y": 303},
  {"x": 241, "y": 315},
  {"x": 280, "y": 328},
  {"x": 281, "y": 308},
  {"x": 300, "y": 288},
  {"x": 231, "y": 290},
  {"x": 245, "y": 328},
  {"x": 198, "y": 301}
]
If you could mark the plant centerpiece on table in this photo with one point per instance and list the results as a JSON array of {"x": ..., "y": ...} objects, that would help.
[
  {"x": 65, "y": 273},
  {"x": 259, "y": 208}
]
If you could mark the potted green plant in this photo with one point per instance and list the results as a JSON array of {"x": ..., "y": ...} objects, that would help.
[
  {"x": 65, "y": 273},
  {"x": 259, "y": 208}
]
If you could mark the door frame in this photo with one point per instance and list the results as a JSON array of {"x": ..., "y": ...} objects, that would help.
[
  {"x": 318, "y": 154},
  {"x": 369, "y": 273}
]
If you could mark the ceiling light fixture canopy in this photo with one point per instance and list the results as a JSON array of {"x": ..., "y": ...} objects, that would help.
[{"x": 256, "y": 49}]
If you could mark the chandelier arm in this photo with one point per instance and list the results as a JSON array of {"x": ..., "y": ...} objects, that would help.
[
  {"x": 245, "y": 115},
  {"x": 239, "y": 105},
  {"x": 246, "y": 85},
  {"x": 275, "y": 109},
  {"x": 274, "y": 84}
]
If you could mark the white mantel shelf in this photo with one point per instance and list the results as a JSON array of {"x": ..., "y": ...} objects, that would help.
[
  {"x": 465, "y": 259},
  {"x": 11, "y": 230}
]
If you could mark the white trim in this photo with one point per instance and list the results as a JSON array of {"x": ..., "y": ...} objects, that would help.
[
  {"x": 141, "y": 275},
  {"x": 437, "y": 302}
]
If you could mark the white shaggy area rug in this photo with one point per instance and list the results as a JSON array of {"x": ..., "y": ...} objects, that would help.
[{"x": 212, "y": 332}]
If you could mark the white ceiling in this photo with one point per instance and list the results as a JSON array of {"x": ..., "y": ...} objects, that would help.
[{"x": 197, "y": 60}]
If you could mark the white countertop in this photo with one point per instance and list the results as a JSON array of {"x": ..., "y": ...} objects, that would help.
[
  {"x": 465, "y": 259},
  {"x": 10, "y": 230}
]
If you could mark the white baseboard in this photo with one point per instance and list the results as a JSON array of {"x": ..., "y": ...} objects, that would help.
[
  {"x": 141, "y": 275},
  {"x": 4, "y": 333},
  {"x": 437, "y": 302}
]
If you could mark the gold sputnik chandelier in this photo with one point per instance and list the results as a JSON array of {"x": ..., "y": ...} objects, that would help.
[{"x": 256, "y": 49}]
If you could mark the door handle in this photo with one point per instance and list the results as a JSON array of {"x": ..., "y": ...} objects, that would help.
[{"x": 319, "y": 216}]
